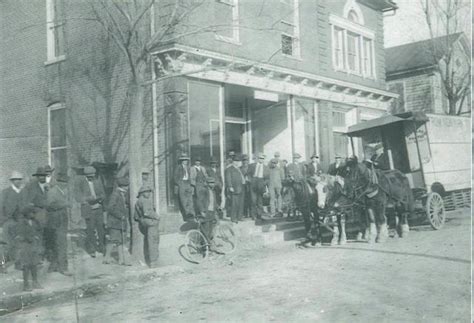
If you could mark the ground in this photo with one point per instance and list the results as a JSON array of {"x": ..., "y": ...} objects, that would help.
[{"x": 424, "y": 277}]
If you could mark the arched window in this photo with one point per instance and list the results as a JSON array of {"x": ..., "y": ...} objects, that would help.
[
  {"x": 352, "y": 16},
  {"x": 353, "y": 12}
]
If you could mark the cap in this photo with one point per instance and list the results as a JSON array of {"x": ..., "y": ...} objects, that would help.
[
  {"x": 245, "y": 157},
  {"x": 213, "y": 161},
  {"x": 231, "y": 153},
  {"x": 183, "y": 157},
  {"x": 89, "y": 170},
  {"x": 210, "y": 180},
  {"x": 277, "y": 154},
  {"x": 197, "y": 158},
  {"x": 274, "y": 161},
  {"x": 48, "y": 169},
  {"x": 315, "y": 156},
  {"x": 145, "y": 171},
  {"x": 237, "y": 158},
  {"x": 337, "y": 157},
  {"x": 122, "y": 181},
  {"x": 16, "y": 175},
  {"x": 62, "y": 177},
  {"x": 143, "y": 189},
  {"x": 40, "y": 171},
  {"x": 261, "y": 156},
  {"x": 296, "y": 155}
]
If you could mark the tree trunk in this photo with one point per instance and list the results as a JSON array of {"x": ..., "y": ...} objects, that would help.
[
  {"x": 135, "y": 155},
  {"x": 452, "y": 107}
]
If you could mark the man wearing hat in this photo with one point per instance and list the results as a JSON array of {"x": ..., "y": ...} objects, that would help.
[
  {"x": 259, "y": 175},
  {"x": 234, "y": 183},
  {"x": 213, "y": 171},
  {"x": 59, "y": 201},
  {"x": 380, "y": 159},
  {"x": 198, "y": 182},
  {"x": 118, "y": 212},
  {"x": 314, "y": 168},
  {"x": 246, "y": 194},
  {"x": 49, "y": 173},
  {"x": 335, "y": 168},
  {"x": 296, "y": 170},
  {"x": 149, "y": 225},
  {"x": 183, "y": 189},
  {"x": 275, "y": 186},
  {"x": 91, "y": 196},
  {"x": 11, "y": 203},
  {"x": 230, "y": 158}
]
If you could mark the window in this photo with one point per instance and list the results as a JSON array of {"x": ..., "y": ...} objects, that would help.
[
  {"x": 57, "y": 137},
  {"x": 352, "y": 46},
  {"x": 340, "y": 144},
  {"x": 290, "y": 38},
  {"x": 352, "y": 16},
  {"x": 54, "y": 30},
  {"x": 338, "y": 119},
  {"x": 227, "y": 21}
]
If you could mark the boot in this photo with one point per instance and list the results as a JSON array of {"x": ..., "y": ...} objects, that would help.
[
  {"x": 382, "y": 233},
  {"x": 372, "y": 233},
  {"x": 335, "y": 236},
  {"x": 121, "y": 256},
  {"x": 108, "y": 253},
  {"x": 34, "y": 275},
  {"x": 404, "y": 231}
]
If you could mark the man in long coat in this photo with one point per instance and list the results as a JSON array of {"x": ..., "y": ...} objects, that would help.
[
  {"x": 12, "y": 201},
  {"x": 276, "y": 177},
  {"x": 314, "y": 168},
  {"x": 234, "y": 183},
  {"x": 335, "y": 168},
  {"x": 213, "y": 171},
  {"x": 91, "y": 195},
  {"x": 59, "y": 201},
  {"x": 259, "y": 175},
  {"x": 198, "y": 182},
  {"x": 246, "y": 199},
  {"x": 183, "y": 189},
  {"x": 296, "y": 169}
]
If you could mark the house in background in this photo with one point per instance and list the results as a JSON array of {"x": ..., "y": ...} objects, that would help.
[
  {"x": 411, "y": 71},
  {"x": 287, "y": 76}
]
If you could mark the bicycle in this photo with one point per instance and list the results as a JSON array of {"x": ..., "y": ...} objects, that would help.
[{"x": 197, "y": 246}]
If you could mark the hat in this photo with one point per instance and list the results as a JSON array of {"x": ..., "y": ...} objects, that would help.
[
  {"x": 89, "y": 170},
  {"x": 274, "y": 161},
  {"x": 245, "y": 157},
  {"x": 315, "y": 156},
  {"x": 28, "y": 209},
  {"x": 183, "y": 157},
  {"x": 337, "y": 157},
  {"x": 62, "y": 177},
  {"x": 48, "y": 169},
  {"x": 143, "y": 189},
  {"x": 237, "y": 158},
  {"x": 353, "y": 159},
  {"x": 16, "y": 175},
  {"x": 197, "y": 159},
  {"x": 231, "y": 153},
  {"x": 277, "y": 154},
  {"x": 122, "y": 181},
  {"x": 210, "y": 180},
  {"x": 296, "y": 155},
  {"x": 40, "y": 171},
  {"x": 261, "y": 156},
  {"x": 145, "y": 171},
  {"x": 378, "y": 146},
  {"x": 213, "y": 161}
]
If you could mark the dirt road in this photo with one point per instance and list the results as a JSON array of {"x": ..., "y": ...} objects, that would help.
[{"x": 422, "y": 278}]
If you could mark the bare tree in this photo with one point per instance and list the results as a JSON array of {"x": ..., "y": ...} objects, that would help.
[{"x": 445, "y": 18}]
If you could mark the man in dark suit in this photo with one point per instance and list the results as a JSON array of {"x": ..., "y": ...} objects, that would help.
[
  {"x": 183, "y": 189},
  {"x": 259, "y": 175},
  {"x": 213, "y": 171},
  {"x": 198, "y": 182},
  {"x": 91, "y": 195},
  {"x": 380, "y": 158},
  {"x": 246, "y": 199},
  {"x": 234, "y": 182},
  {"x": 296, "y": 169},
  {"x": 314, "y": 168},
  {"x": 334, "y": 168}
]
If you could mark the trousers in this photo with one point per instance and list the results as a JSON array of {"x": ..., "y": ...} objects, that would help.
[{"x": 95, "y": 233}]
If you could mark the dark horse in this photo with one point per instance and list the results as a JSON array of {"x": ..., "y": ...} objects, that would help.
[{"x": 378, "y": 189}]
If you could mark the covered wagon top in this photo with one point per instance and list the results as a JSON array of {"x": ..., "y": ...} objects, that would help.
[{"x": 359, "y": 129}]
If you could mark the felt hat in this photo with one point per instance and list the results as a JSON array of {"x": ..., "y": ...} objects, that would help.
[
  {"x": 16, "y": 175},
  {"x": 197, "y": 158},
  {"x": 261, "y": 156},
  {"x": 48, "y": 169},
  {"x": 62, "y": 177},
  {"x": 123, "y": 181},
  {"x": 296, "y": 155},
  {"x": 213, "y": 161},
  {"x": 276, "y": 155},
  {"x": 40, "y": 171},
  {"x": 183, "y": 157},
  {"x": 274, "y": 161},
  {"x": 315, "y": 156},
  {"x": 337, "y": 157},
  {"x": 210, "y": 180},
  {"x": 145, "y": 171},
  {"x": 245, "y": 157},
  {"x": 143, "y": 189},
  {"x": 237, "y": 158},
  {"x": 89, "y": 170}
]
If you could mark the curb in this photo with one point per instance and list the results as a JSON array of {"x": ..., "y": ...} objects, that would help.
[{"x": 16, "y": 302}]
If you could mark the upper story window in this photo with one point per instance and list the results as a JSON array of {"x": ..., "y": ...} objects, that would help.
[
  {"x": 57, "y": 137},
  {"x": 54, "y": 30},
  {"x": 290, "y": 26},
  {"x": 352, "y": 43},
  {"x": 227, "y": 21}
]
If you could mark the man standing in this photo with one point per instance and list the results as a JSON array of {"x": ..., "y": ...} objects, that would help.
[
  {"x": 246, "y": 193},
  {"x": 209, "y": 217},
  {"x": 334, "y": 168},
  {"x": 275, "y": 187},
  {"x": 198, "y": 182},
  {"x": 118, "y": 212},
  {"x": 234, "y": 182},
  {"x": 58, "y": 219},
  {"x": 12, "y": 202},
  {"x": 314, "y": 168},
  {"x": 259, "y": 176},
  {"x": 49, "y": 174},
  {"x": 214, "y": 172},
  {"x": 149, "y": 225},
  {"x": 91, "y": 195},
  {"x": 296, "y": 169},
  {"x": 183, "y": 189}
]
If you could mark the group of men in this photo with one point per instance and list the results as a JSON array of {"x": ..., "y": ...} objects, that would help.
[
  {"x": 245, "y": 185},
  {"x": 34, "y": 218}
]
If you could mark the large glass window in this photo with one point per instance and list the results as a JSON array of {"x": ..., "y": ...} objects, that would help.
[
  {"x": 353, "y": 52},
  {"x": 290, "y": 38},
  {"x": 58, "y": 138},
  {"x": 227, "y": 20}
]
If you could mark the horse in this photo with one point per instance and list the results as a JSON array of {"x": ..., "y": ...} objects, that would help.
[{"x": 377, "y": 189}]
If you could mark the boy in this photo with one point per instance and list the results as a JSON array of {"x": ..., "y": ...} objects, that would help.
[
  {"x": 148, "y": 223},
  {"x": 29, "y": 244},
  {"x": 209, "y": 217}
]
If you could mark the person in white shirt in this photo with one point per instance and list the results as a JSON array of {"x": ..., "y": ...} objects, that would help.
[{"x": 183, "y": 189}]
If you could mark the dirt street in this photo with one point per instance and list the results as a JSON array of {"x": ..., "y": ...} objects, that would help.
[{"x": 422, "y": 278}]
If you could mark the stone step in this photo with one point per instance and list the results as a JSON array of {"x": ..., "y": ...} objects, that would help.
[{"x": 288, "y": 225}]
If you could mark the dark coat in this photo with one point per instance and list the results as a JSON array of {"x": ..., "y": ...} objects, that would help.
[
  {"x": 298, "y": 170},
  {"x": 118, "y": 211},
  {"x": 11, "y": 203},
  {"x": 312, "y": 170},
  {"x": 28, "y": 243},
  {"x": 58, "y": 203},
  {"x": 216, "y": 175},
  {"x": 233, "y": 178},
  {"x": 334, "y": 170},
  {"x": 89, "y": 204},
  {"x": 35, "y": 196},
  {"x": 145, "y": 213},
  {"x": 179, "y": 174},
  {"x": 251, "y": 172}
]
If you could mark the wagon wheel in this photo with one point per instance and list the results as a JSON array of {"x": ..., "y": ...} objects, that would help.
[{"x": 435, "y": 210}]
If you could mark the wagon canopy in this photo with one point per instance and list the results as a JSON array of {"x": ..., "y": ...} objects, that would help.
[{"x": 360, "y": 129}]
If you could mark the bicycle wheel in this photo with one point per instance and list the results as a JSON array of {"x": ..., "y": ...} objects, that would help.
[
  {"x": 225, "y": 240},
  {"x": 196, "y": 246}
]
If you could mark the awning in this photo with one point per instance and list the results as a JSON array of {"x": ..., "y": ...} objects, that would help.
[{"x": 358, "y": 129}]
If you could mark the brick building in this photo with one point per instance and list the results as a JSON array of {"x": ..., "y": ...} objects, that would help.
[{"x": 285, "y": 76}]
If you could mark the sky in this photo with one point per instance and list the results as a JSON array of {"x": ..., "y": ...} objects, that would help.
[{"x": 409, "y": 24}]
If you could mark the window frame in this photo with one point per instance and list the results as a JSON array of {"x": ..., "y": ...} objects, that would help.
[
  {"x": 295, "y": 24},
  {"x": 55, "y": 107},
  {"x": 235, "y": 39}
]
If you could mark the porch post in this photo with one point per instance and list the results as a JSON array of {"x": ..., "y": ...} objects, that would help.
[
  {"x": 221, "y": 138},
  {"x": 291, "y": 109},
  {"x": 316, "y": 126}
]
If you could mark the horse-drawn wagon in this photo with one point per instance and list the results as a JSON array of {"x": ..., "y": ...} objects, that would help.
[{"x": 433, "y": 152}]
